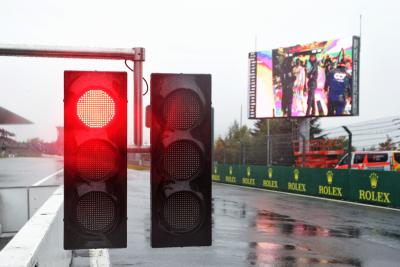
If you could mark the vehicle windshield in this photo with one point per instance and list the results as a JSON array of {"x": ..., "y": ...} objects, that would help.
[{"x": 343, "y": 161}]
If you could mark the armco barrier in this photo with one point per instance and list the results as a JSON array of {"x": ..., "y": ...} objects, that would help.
[{"x": 372, "y": 187}]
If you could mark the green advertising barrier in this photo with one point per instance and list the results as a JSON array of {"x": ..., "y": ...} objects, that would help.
[
  {"x": 300, "y": 181},
  {"x": 272, "y": 178},
  {"x": 331, "y": 183},
  {"x": 229, "y": 174},
  {"x": 252, "y": 176},
  {"x": 377, "y": 188}
]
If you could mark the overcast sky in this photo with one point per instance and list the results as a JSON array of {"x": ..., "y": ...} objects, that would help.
[{"x": 190, "y": 37}]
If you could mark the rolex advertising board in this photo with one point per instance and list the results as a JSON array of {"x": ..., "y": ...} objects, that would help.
[{"x": 376, "y": 188}]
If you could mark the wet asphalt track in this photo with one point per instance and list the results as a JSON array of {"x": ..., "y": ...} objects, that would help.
[
  {"x": 261, "y": 228},
  {"x": 250, "y": 227},
  {"x": 28, "y": 171}
]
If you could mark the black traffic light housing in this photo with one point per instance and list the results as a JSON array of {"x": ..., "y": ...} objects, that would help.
[
  {"x": 95, "y": 159},
  {"x": 180, "y": 160}
]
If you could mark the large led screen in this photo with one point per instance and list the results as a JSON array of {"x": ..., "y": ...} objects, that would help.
[{"x": 313, "y": 80}]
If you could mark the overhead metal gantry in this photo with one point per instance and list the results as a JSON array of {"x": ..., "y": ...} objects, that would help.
[{"x": 136, "y": 54}]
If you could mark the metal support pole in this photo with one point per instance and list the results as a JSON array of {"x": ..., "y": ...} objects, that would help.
[
  {"x": 271, "y": 149},
  {"x": 137, "y": 96},
  {"x": 349, "y": 147},
  {"x": 303, "y": 149},
  {"x": 244, "y": 154},
  {"x": 304, "y": 130},
  {"x": 268, "y": 145}
]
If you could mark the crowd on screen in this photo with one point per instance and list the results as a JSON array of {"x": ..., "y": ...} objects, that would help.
[{"x": 315, "y": 87}]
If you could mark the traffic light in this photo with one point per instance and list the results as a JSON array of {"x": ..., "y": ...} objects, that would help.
[
  {"x": 95, "y": 163},
  {"x": 180, "y": 160}
]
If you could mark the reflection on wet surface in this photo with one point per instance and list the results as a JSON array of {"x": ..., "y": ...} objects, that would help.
[
  {"x": 385, "y": 233},
  {"x": 276, "y": 223},
  {"x": 289, "y": 254},
  {"x": 282, "y": 255},
  {"x": 284, "y": 239}
]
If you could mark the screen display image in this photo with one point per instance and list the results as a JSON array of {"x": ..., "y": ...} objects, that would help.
[{"x": 312, "y": 80}]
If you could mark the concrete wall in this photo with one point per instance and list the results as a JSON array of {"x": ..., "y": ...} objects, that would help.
[
  {"x": 14, "y": 208},
  {"x": 40, "y": 241},
  {"x": 19, "y": 204}
]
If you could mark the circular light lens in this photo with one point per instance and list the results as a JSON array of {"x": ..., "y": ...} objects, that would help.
[
  {"x": 182, "y": 160},
  {"x": 96, "y": 160},
  {"x": 182, "y": 212},
  {"x": 96, "y": 212},
  {"x": 182, "y": 110},
  {"x": 95, "y": 108}
]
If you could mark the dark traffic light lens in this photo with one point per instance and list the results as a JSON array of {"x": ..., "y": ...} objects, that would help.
[
  {"x": 96, "y": 160},
  {"x": 182, "y": 160},
  {"x": 95, "y": 108},
  {"x": 182, "y": 212},
  {"x": 96, "y": 212},
  {"x": 182, "y": 110}
]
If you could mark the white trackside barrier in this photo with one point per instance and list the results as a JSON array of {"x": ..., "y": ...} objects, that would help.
[{"x": 40, "y": 241}]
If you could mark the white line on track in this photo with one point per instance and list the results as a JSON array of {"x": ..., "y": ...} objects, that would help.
[
  {"x": 99, "y": 258},
  {"x": 314, "y": 197},
  {"x": 47, "y": 177}
]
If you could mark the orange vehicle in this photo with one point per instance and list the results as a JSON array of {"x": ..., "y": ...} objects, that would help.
[{"x": 372, "y": 160}]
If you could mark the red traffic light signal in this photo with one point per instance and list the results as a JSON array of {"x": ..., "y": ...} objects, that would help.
[
  {"x": 95, "y": 173},
  {"x": 180, "y": 160}
]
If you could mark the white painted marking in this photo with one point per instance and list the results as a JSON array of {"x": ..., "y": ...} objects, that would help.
[
  {"x": 47, "y": 177},
  {"x": 314, "y": 197},
  {"x": 99, "y": 258}
]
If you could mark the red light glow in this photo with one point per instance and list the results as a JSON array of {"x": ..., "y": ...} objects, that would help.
[
  {"x": 96, "y": 160},
  {"x": 95, "y": 108}
]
